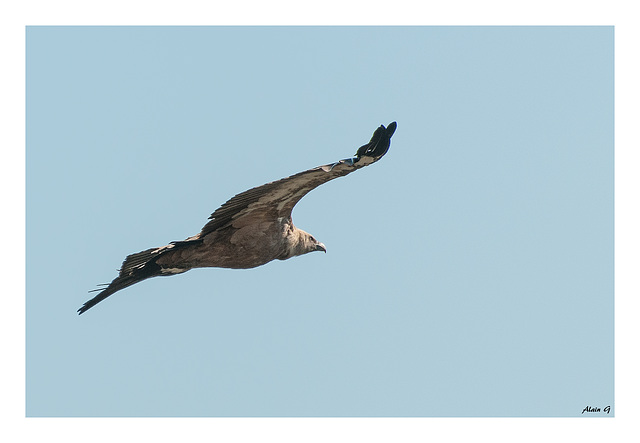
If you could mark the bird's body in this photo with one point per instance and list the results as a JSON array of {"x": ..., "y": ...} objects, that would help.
[
  {"x": 249, "y": 230},
  {"x": 238, "y": 248}
]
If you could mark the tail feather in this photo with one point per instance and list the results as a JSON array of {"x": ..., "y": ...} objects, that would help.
[{"x": 138, "y": 260}]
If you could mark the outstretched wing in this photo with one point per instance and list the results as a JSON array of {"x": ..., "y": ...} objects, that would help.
[{"x": 277, "y": 199}]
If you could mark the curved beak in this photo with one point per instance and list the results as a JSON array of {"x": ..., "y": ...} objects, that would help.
[{"x": 320, "y": 247}]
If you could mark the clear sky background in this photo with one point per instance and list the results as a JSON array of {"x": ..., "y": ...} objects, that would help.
[{"x": 468, "y": 273}]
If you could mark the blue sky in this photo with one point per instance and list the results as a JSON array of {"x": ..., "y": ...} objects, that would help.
[{"x": 468, "y": 273}]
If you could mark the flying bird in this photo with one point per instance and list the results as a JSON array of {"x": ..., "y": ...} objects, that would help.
[{"x": 249, "y": 230}]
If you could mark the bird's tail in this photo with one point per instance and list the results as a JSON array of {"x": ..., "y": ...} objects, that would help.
[{"x": 135, "y": 268}]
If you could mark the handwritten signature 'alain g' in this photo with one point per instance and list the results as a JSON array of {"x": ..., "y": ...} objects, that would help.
[{"x": 607, "y": 409}]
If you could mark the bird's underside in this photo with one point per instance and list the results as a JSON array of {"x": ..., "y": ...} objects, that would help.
[{"x": 249, "y": 230}]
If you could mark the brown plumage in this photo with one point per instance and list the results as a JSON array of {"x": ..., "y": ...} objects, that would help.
[{"x": 249, "y": 230}]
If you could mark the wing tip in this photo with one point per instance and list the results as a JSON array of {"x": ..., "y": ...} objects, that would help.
[
  {"x": 86, "y": 306},
  {"x": 391, "y": 128},
  {"x": 379, "y": 143}
]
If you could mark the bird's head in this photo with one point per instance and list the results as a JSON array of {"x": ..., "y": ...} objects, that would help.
[
  {"x": 311, "y": 244},
  {"x": 301, "y": 242}
]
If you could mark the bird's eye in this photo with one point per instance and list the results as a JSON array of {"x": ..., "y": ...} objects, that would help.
[{"x": 313, "y": 239}]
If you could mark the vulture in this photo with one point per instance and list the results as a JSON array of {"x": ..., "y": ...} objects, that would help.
[{"x": 249, "y": 230}]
